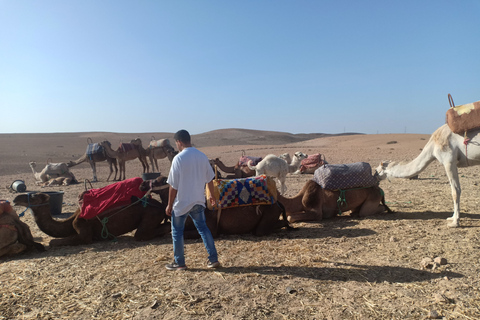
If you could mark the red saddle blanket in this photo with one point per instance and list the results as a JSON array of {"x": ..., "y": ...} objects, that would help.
[
  {"x": 95, "y": 201},
  {"x": 313, "y": 161}
]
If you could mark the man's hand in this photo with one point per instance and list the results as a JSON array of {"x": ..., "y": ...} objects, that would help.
[
  {"x": 168, "y": 211},
  {"x": 213, "y": 202}
]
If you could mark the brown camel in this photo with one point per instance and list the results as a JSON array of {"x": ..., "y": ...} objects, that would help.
[
  {"x": 99, "y": 156},
  {"x": 111, "y": 222},
  {"x": 15, "y": 235},
  {"x": 259, "y": 220},
  {"x": 123, "y": 156},
  {"x": 315, "y": 203},
  {"x": 237, "y": 171}
]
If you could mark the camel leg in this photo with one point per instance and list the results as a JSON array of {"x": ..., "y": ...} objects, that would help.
[
  {"x": 302, "y": 216},
  {"x": 13, "y": 249},
  {"x": 452, "y": 174},
  {"x": 94, "y": 169}
]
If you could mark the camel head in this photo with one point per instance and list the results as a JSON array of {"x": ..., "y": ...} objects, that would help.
[
  {"x": 171, "y": 153},
  {"x": 381, "y": 171},
  {"x": 32, "y": 164},
  {"x": 286, "y": 157},
  {"x": 29, "y": 199},
  {"x": 300, "y": 155},
  {"x": 154, "y": 185}
]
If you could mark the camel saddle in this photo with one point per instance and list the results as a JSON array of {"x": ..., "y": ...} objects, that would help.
[
  {"x": 250, "y": 191},
  {"x": 345, "y": 176},
  {"x": 96, "y": 201},
  {"x": 159, "y": 143},
  {"x": 245, "y": 159},
  {"x": 463, "y": 118},
  {"x": 311, "y": 162},
  {"x": 94, "y": 148}
]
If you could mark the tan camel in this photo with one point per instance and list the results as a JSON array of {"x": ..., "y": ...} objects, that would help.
[
  {"x": 15, "y": 235},
  {"x": 315, "y": 203},
  {"x": 92, "y": 159},
  {"x": 124, "y": 156},
  {"x": 48, "y": 176},
  {"x": 237, "y": 171},
  {"x": 449, "y": 149},
  {"x": 162, "y": 149}
]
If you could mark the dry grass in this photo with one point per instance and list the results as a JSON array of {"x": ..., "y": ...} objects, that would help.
[{"x": 341, "y": 268}]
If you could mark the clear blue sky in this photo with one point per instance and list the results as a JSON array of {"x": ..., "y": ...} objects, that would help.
[{"x": 293, "y": 66}]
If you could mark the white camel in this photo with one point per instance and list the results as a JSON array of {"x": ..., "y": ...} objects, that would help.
[
  {"x": 449, "y": 149},
  {"x": 273, "y": 166},
  {"x": 51, "y": 172},
  {"x": 286, "y": 157}
]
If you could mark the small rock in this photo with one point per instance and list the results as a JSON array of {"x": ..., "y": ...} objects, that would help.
[
  {"x": 440, "y": 297},
  {"x": 393, "y": 239},
  {"x": 117, "y": 295},
  {"x": 426, "y": 263},
  {"x": 433, "y": 314},
  {"x": 290, "y": 290},
  {"x": 154, "y": 305},
  {"x": 441, "y": 261}
]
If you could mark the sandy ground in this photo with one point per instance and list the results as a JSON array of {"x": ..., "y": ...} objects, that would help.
[{"x": 342, "y": 268}]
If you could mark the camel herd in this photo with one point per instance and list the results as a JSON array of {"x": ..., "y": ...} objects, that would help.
[{"x": 312, "y": 203}]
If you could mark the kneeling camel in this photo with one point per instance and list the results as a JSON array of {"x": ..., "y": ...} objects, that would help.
[
  {"x": 75, "y": 230},
  {"x": 259, "y": 220},
  {"x": 315, "y": 203}
]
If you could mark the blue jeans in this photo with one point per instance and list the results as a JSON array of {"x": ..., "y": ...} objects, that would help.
[{"x": 197, "y": 213}]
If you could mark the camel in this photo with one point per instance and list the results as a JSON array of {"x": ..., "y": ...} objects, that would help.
[
  {"x": 313, "y": 203},
  {"x": 60, "y": 181},
  {"x": 111, "y": 222},
  {"x": 52, "y": 171},
  {"x": 451, "y": 151},
  {"x": 15, "y": 235},
  {"x": 124, "y": 156},
  {"x": 286, "y": 156},
  {"x": 258, "y": 220},
  {"x": 160, "y": 149},
  {"x": 92, "y": 159},
  {"x": 273, "y": 166},
  {"x": 238, "y": 171}
]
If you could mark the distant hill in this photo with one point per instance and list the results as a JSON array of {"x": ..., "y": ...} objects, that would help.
[{"x": 228, "y": 137}]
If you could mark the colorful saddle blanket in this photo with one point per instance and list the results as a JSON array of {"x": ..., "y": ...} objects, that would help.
[
  {"x": 95, "y": 201},
  {"x": 94, "y": 148},
  {"x": 245, "y": 159},
  {"x": 311, "y": 162},
  {"x": 244, "y": 192},
  {"x": 345, "y": 176}
]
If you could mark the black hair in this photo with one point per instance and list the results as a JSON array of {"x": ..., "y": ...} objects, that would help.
[{"x": 182, "y": 136}]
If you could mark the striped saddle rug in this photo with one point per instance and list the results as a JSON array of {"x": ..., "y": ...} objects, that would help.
[{"x": 94, "y": 148}]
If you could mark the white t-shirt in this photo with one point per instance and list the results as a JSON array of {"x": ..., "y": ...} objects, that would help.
[{"x": 189, "y": 173}]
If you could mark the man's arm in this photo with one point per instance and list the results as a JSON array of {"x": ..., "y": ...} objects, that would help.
[
  {"x": 172, "y": 194},
  {"x": 211, "y": 198}
]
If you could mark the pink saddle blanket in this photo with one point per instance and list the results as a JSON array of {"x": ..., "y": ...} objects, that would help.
[
  {"x": 95, "y": 201},
  {"x": 313, "y": 161},
  {"x": 245, "y": 159}
]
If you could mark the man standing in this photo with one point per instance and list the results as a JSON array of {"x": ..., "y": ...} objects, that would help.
[{"x": 189, "y": 173}]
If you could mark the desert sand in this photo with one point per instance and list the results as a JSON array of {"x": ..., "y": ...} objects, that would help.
[{"x": 341, "y": 268}]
